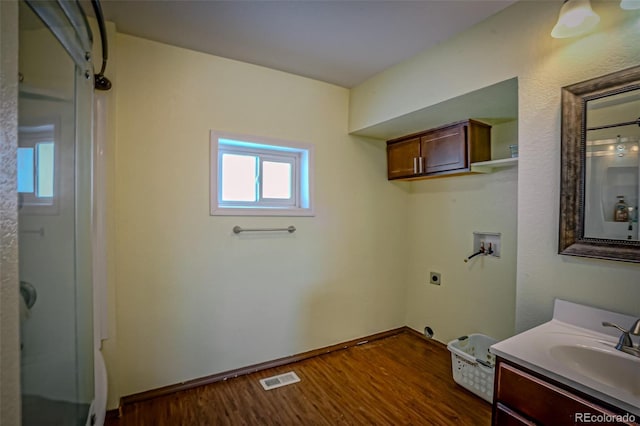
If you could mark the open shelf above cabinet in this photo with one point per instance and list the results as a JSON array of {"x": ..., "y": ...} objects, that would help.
[{"x": 492, "y": 165}]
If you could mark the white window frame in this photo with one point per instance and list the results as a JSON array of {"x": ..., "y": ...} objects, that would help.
[
  {"x": 30, "y": 136},
  {"x": 291, "y": 158},
  {"x": 298, "y": 154}
]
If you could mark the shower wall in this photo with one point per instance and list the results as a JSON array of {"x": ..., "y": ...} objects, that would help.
[
  {"x": 47, "y": 256},
  {"x": 610, "y": 176},
  {"x": 612, "y": 168},
  {"x": 54, "y": 109}
]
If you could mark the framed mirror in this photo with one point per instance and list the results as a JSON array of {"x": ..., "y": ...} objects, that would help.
[{"x": 600, "y": 167}]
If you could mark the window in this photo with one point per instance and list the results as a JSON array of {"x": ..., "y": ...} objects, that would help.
[
  {"x": 36, "y": 167},
  {"x": 259, "y": 176}
]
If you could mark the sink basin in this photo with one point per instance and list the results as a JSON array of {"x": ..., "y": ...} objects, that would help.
[{"x": 609, "y": 367}]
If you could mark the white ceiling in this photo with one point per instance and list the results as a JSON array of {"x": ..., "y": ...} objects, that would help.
[{"x": 341, "y": 41}]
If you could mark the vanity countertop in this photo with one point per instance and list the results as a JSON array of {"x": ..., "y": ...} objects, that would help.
[{"x": 576, "y": 350}]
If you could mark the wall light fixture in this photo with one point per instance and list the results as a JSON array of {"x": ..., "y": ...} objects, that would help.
[
  {"x": 576, "y": 18},
  {"x": 630, "y": 4}
]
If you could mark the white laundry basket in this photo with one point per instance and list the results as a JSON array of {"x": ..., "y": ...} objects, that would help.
[{"x": 473, "y": 365}]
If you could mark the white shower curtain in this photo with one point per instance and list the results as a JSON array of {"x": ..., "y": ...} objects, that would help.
[{"x": 100, "y": 324}]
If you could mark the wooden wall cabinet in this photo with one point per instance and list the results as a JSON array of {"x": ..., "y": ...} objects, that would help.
[
  {"x": 404, "y": 158},
  {"x": 522, "y": 397},
  {"x": 445, "y": 150}
]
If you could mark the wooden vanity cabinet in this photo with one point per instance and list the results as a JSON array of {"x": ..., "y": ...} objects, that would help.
[
  {"x": 444, "y": 150},
  {"x": 522, "y": 397}
]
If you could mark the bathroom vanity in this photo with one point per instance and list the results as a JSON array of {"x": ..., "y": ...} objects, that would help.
[
  {"x": 523, "y": 397},
  {"x": 566, "y": 372}
]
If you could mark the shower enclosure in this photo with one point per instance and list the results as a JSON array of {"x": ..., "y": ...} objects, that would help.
[
  {"x": 54, "y": 219},
  {"x": 612, "y": 176}
]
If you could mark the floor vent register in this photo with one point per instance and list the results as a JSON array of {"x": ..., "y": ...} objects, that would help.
[{"x": 279, "y": 380}]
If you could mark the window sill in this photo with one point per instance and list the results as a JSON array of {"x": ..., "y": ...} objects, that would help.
[{"x": 262, "y": 212}]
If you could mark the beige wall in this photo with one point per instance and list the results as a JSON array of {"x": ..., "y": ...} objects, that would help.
[
  {"x": 477, "y": 296},
  {"x": 192, "y": 298},
  {"x": 473, "y": 297},
  {"x": 516, "y": 42},
  {"x": 9, "y": 314}
]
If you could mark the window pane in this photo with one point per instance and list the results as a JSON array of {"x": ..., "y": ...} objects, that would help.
[
  {"x": 238, "y": 177},
  {"x": 45, "y": 170},
  {"x": 25, "y": 170},
  {"x": 276, "y": 180}
]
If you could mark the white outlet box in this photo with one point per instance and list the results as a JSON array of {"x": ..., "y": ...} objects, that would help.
[{"x": 487, "y": 238}]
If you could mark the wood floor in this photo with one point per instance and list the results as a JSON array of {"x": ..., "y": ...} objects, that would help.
[{"x": 400, "y": 380}]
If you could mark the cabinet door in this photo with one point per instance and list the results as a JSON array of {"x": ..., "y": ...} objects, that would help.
[
  {"x": 400, "y": 158},
  {"x": 445, "y": 149},
  {"x": 533, "y": 398}
]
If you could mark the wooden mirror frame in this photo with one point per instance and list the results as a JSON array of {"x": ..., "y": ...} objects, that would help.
[{"x": 572, "y": 241}]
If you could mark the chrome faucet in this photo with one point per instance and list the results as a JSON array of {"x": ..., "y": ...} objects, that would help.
[{"x": 625, "y": 344}]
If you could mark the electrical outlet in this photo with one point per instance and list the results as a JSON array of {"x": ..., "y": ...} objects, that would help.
[{"x": 434, "y": 278}]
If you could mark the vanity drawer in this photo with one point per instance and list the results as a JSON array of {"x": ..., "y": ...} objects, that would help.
[{"x": 535, "y": 401}]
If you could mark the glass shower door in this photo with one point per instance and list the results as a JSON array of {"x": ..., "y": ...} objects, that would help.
[{"x": 54, "y": 188}]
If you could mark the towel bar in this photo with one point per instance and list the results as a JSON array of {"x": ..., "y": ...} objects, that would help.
[{"x": 236, "y": 229}]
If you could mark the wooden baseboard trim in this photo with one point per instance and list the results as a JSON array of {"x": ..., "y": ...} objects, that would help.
[
  {"x": 113, "y": 414},
  {"x": 207, "y": 380},
  {"x": 422, "y": 336}
]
